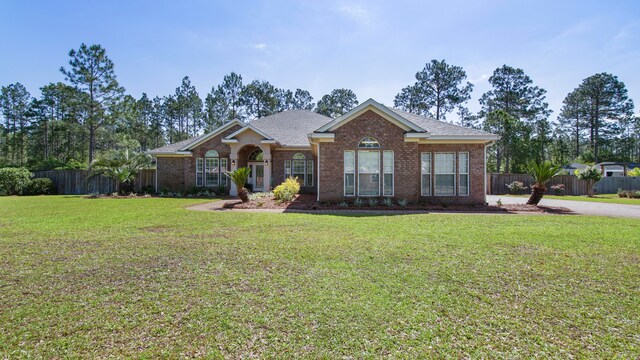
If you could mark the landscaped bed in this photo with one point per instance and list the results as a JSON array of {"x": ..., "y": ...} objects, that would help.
[{"x": 307, "y": 202}]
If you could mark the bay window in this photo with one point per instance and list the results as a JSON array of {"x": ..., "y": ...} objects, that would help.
[{"x": 299, "y": 168}]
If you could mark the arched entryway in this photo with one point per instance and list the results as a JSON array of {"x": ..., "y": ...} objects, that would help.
[{"x": 252, "y": 156}]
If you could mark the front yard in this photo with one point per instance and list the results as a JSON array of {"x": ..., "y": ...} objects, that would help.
[{"x": 146, "y": 278}]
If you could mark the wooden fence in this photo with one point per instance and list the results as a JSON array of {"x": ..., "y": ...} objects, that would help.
[
  {"x": 497, "y": 184},
  {"x": 74, "y": 182}
]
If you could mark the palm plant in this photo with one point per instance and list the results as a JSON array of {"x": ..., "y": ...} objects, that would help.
[
  {"x": 541, "y": 173},
  {"x": 121, "y": 166},
  {"x": 239, "y": 178}
]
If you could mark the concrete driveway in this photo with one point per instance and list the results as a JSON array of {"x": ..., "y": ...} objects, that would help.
[{"x": 578, "y": 207}]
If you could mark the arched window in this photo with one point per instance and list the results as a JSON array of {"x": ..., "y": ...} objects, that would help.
[
  {"x": 301, "y": 168},
  {"x": 369, "y": 143},
  {"x": 210, "y": 169},
  {"x": 256, "y": 155}
]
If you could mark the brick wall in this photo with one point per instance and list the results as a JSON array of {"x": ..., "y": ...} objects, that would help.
[
  {"x": 278, "y": 158},
  {"x": 179, "y": 173},
  {"x": 406, "y": 161}
]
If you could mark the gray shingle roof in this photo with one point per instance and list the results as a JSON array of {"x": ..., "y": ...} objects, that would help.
[
  {"x": 172, "y": 148},
  {"x": 439, "y": 128},
  {"x": 290, "y": 128}
]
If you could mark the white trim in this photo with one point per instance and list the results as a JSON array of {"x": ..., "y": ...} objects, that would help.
[
  {"x": 487, "y": 137},
  {"x": 435, "y": 174},
  {"x": 248, "y": 127},
  {"x": 229, "y": 141},
  {"x": 344, "y": 173},
  {"x": 213, "y": 133},
  {"x": 309, "y": 171},
  {"x": 371, "y": 104},
  {"x": 358, "y": 173},
  {"x": 318, "y": 175},
  {"x": 169, "y": 154},
  {"x": 268, "y": 142},
  {"x": 468, "y": 173},
  {"x": 201, "y": 172},
  {"x": 393, "y": 173},
  {"x": 430, "y": 173}
]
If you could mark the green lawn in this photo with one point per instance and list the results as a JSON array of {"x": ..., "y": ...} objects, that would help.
[
  {"x": 145, "y": 278},
  {"x": 602, "y": 198}
]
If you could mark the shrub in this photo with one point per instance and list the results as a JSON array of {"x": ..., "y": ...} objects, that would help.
[
  {"x": 343, "y": 204},
  {"x": 358, "y": 202},
  {"x": 287, "y": 190},
  {"x": 634, "y": 172},
  {"x": 516, "y": 188},
  {"x": 387, "y": 202},
  {"x": 558, "y": 189},
  {"x": 373, "y": 202},
  {"x": 14, "y": 180},
  {"x": 39, "y": 186},
  {"x": 590, "y": 174},
  {"x": 403, "y": 202}
]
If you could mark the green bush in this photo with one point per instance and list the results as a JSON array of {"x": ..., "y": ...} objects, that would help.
[
  {"x": 590, "y": 174},
  {"x": 39, "y": 186},
  {"x": 14, "y": 180},
  {"x": 287, "y": 190}
]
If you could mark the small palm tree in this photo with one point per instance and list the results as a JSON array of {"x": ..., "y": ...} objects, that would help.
[
  {"x": 541, "y": 173},
  {"x": 239, "y": 178},
  {"x": 121, "y": 166}
]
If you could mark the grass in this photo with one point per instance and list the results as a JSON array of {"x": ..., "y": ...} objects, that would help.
[
  {"x": 145, "y": 278},
  {"x": 601, "y": 198}
]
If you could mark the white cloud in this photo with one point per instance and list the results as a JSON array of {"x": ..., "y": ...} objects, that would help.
[
  {"x": 356, "y": 12},
  {"x": 260, "y": 46}
]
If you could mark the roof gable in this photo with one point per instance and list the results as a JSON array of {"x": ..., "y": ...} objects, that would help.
[
  {"x": 201, "y": 139},
  {"x": 372, "y": 105}
]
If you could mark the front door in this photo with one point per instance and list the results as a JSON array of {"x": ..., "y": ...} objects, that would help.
[{"x": 257, "y": 176}]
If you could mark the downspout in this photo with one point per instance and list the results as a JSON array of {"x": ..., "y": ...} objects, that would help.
[{"x": 318, "y": 174}]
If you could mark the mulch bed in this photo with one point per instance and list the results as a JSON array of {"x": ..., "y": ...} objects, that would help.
[{"x": 308, "y": 202}]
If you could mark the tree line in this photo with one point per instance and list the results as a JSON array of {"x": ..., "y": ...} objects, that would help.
[{"x": 90, "y": 113}]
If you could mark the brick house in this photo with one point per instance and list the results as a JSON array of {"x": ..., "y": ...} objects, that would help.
[{"x": 371, "y": 151}]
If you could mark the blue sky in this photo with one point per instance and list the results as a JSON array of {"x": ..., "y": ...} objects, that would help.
[{"x": 372, "y": 47}]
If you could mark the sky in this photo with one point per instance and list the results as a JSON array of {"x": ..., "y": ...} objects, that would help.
[{"x": 372, "y": 47}]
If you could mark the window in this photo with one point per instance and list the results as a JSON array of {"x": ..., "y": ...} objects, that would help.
[
  {"x": 298, "y": 169},
  {"x": 309, "y": 180},
  {"x": 349, "y": 173},
  {"x": 223, "y": 169},
  {"x": 387, "y": 173},
  {"x": 445, "y": 174},
  {"x": 199, "y": 171},
  {"x": 425, "y": 173},
  {"x": 463, "y": 163},
  {"x": 256, "y": 155},
  {"x": 369, "y": 143},
  {"x": 368, "y": 173},
  {"x": 211, "y": 171}
]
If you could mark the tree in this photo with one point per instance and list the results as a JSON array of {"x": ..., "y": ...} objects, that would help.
[
  {"x": 14, "y": 103},
  {"x": 239, "y": 178},
  {"x": 187, "y": 110},
  {"x": 572, "y": 117},
  {"x": 514, "y": 95},
  {"x": 224, "y": 102},
  {"x": 260, "y": 99},
  {"x": 512, "y": 146},
  {"x": 590, "y": 174},
  {"x": 302, "y": 100},
  {"x": 443, "y": 88},
  {"x": 541, "y": 173},
  {"x": 122, "y": 166},
  {"x": 411, "y": 99},
  {"x": 603, "y": 98},
  {"x": 337, "y": 103},
  {"x": 91, "y": 72}
]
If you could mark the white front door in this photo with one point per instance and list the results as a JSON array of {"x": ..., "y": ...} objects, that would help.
[{"x": 257, "y": 176}]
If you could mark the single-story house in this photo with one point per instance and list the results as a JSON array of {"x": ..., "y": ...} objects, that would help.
[
  {"x": 371, "y": 151},
  {"x": 610, "y": 168}
]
